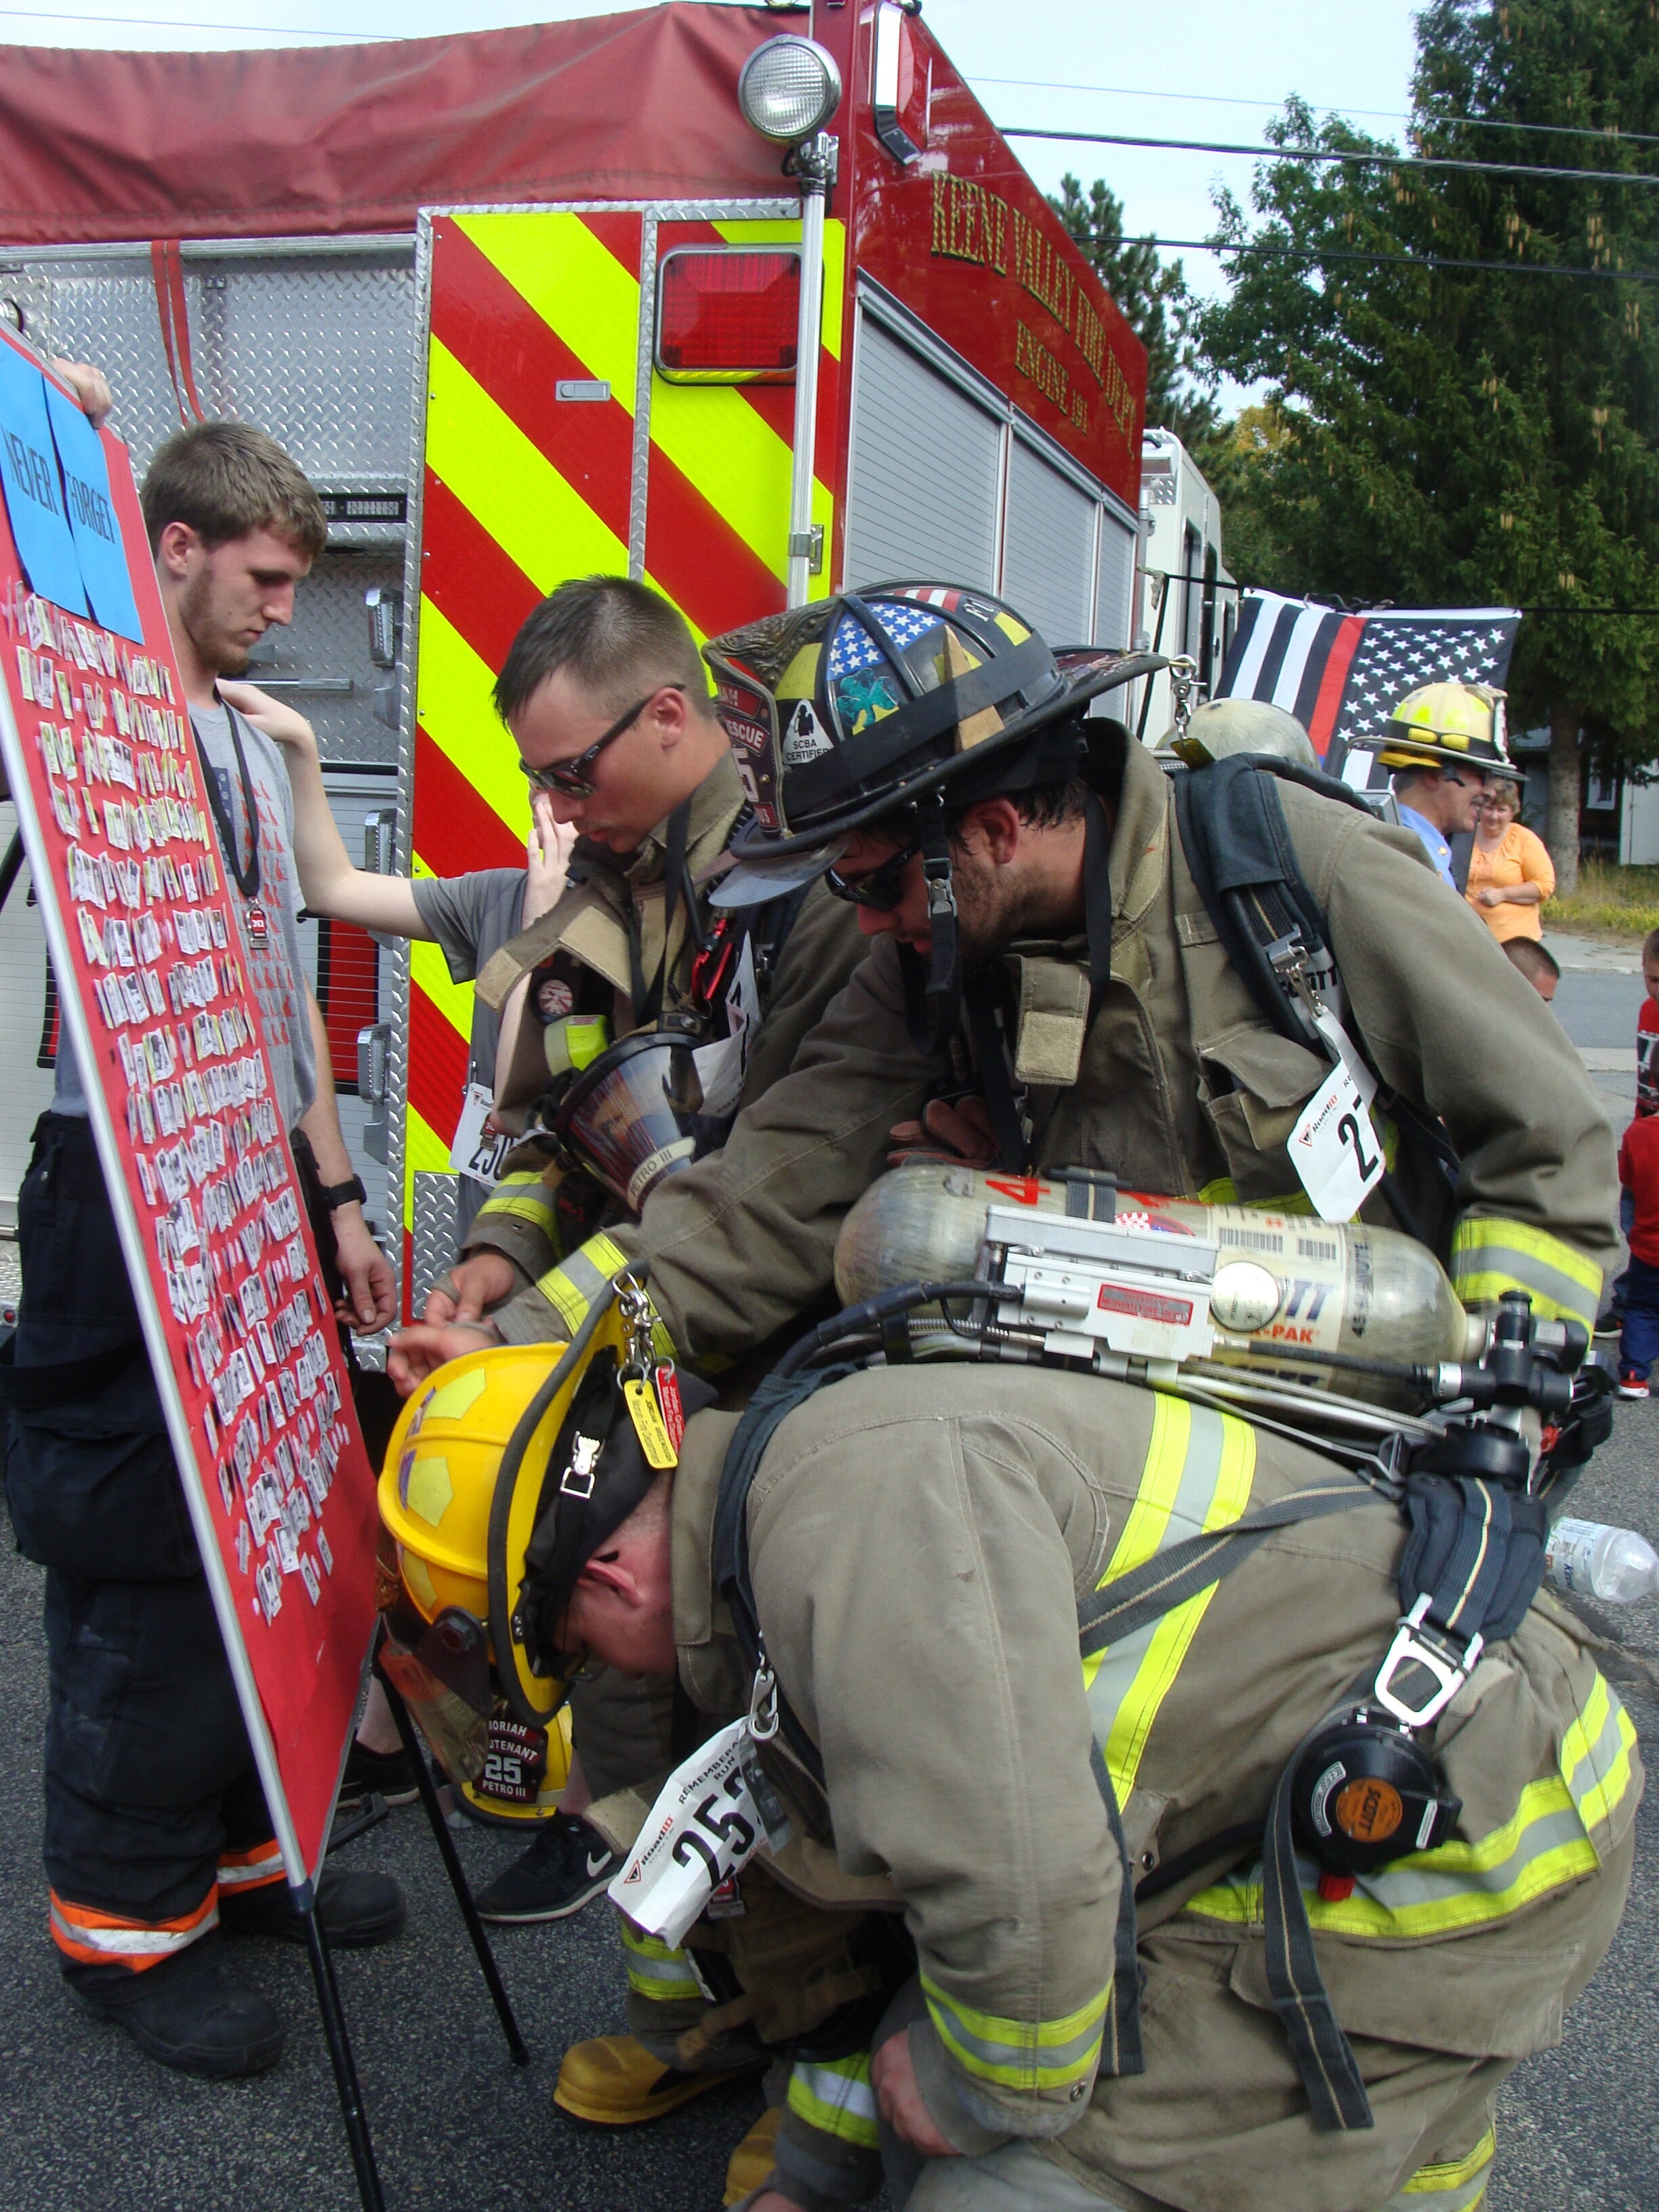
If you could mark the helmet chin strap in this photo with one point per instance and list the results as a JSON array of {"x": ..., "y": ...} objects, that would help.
[{"x": 934, "y": 1010}]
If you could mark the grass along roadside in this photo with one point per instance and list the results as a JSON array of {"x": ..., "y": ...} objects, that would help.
[{"x": 1610, "y": 902}]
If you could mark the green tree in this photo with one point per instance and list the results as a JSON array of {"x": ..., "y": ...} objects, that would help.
[
  {"x": 1154, "y": 296},
  {"x": 1457, "y": 436}
]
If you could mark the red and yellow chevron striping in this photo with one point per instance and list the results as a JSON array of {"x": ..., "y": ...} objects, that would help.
[{"x": 523, "y": 490}]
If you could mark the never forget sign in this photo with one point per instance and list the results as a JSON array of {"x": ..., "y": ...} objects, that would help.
[{"x": 151, "y": 972}]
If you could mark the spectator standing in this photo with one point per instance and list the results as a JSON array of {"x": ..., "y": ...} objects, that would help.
[
  {"x": 1509, "y": 870},
  {"x": 1638, "y": 1336},
  {"x": 1647, "y": 1032}
]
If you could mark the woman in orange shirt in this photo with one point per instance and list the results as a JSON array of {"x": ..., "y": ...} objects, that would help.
[{"x": 1509, "y": 870}]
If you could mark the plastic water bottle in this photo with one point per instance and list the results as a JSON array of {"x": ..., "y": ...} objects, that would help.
[{"x": 1587, "y": 1558}]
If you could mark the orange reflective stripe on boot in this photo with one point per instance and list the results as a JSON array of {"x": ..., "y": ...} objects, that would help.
[
  {"x": 108, "y": 1939},
  {"x": 244, "y": 1870}
]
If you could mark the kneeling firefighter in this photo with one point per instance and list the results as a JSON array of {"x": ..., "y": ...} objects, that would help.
[
  {"x": 1178, "y": 982},
  {"x": 1119, "y": 1799}
]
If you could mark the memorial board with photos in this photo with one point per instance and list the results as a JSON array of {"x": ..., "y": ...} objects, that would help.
[{"x": 150, "y": 965}]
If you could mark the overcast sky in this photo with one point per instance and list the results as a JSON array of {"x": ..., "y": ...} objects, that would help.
[{"x": 1204, "y": 68}]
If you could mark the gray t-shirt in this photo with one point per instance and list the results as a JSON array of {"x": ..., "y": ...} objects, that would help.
[
  {"x": 271, "y": 960},
  {"x": 473, "y": 917}
]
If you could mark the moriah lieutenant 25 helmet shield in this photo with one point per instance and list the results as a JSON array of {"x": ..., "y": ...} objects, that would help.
[{"x": 868, "y": 705}]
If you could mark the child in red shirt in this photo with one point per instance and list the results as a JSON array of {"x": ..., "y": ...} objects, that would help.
[
  {"x": 1638, "y": 1338},
  {"x": 1647, "y": 1032}
]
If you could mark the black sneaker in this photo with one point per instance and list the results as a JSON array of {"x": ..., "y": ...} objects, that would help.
[
  {"x": 189, "y": 2014},
  {"x": 568, "y": 1864},
  {"x": 387, "y": 1772},
  {"x": 355, "y": 1910}
]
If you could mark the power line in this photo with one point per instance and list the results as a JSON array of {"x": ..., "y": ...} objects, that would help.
[
  {"x": 1404, "y": 260},
  {"x": 1376, "y": 114},
  {"x": 184, "y": 23},
  {"x": 1316, "y": 154}
]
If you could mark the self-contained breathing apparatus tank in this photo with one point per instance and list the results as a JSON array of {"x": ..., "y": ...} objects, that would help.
[{"x": 1229, "y": 1284}]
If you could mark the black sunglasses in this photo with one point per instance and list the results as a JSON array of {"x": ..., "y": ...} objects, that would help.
[
  {"x": 879, "y": 888},
  {"x": 569, "y": 778}
]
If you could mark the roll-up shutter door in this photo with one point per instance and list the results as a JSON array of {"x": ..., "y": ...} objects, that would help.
[
  {"x": 922, "y": 497},
  {"x": 1115, "y": 582},
  {"x": 1048, "y": 548}
]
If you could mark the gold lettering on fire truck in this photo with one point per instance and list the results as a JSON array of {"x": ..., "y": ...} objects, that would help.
[{"x": 971, "y": 223}]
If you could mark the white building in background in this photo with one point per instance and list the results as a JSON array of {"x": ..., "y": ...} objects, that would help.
[{"x": 1186, "y": 601}]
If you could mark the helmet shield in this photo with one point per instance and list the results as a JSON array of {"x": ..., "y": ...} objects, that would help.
[{"x": 632, "y": 1116}]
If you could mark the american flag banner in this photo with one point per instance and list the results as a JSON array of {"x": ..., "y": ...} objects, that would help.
[{"x": 1342, "y": 675}]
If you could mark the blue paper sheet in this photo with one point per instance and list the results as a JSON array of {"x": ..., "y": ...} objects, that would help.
[
  {"x": 33, "y": 489},
  {"x": 92, "y": 521}
]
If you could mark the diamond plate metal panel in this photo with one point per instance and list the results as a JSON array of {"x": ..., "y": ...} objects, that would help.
[
  {"x": 317, "y": 345},
  {"x": 326, "y": 647},
  {"x": 323, "y": 354},
  {"x": 437, "y": 1232}
]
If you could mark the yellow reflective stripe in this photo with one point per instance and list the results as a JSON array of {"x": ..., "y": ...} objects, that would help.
[
  {"x": 654, "y": 1969},
  {"x": 835, "y": 2095},
  {"x": 573, "y": 1285},
  {"x": 454, "y": 686},
  {"x": 1541, "y": 1847},
  {"x": 1016, "y": 2054},
  {"x": 576, "y": 285},
  {"x": 1461, "y": 2182},
  {"x": 507, "y": 485},
  {"x": 1198, "y": 1473},
  {"x": 1596, "y": 1753},
  {"x": 525, "y": 1196},
  {"x": 1491, "y": 1254}
]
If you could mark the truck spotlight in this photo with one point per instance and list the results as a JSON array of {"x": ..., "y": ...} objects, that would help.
[{"x": 788, "y": 88}]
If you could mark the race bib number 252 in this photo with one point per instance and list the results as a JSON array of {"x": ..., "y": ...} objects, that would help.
[{"x": 704, "y": 1827}]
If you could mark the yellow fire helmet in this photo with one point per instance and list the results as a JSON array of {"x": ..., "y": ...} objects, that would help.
[
  {"x": 1439, "y": 725},
  {"x": 497, "y": 1725}
]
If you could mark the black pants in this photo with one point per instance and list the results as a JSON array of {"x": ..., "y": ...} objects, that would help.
[{"x": 150, "y": 1788}]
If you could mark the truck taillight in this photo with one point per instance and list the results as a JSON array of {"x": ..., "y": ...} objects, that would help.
[{"x": 729, "y": 316}]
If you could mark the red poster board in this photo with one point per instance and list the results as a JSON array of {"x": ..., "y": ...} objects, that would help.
[{"x": 150, "y": 967}]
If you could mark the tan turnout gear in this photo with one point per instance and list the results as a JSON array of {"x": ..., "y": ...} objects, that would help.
[
  {"x": 1175, "y": 1081},
  {"x": 589, "y": 923},
  {"x": 918, "y": 1552}
]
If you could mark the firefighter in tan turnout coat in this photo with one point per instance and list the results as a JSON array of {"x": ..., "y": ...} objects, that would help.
[{"x": 918, "y": 1539}]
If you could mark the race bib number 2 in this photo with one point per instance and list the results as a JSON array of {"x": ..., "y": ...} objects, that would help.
[{"x": 704, "y": 1827}]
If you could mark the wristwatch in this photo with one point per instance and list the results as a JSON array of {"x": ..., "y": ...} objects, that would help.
[{"x": 342, "y": 1193}]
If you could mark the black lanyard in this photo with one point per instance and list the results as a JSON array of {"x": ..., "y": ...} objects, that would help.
[{"x": 247, "y": 878}]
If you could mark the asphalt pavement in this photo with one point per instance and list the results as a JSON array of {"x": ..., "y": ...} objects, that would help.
[{"x": 88, "y": 2123}]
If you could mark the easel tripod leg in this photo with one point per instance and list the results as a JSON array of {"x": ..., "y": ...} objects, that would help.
[
  {"x": 452, "y": 1867},
  {"x": 345, "y": 2073}
]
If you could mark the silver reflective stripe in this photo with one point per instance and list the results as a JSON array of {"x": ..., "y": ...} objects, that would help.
[
  {"x": 844, "y": 2092},
  {"x": 1527, "y": 1271},
  {"x": 131, "y": 1943}
]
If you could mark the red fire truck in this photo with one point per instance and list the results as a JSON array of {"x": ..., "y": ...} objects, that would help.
[{"x": 750, "y": 302}]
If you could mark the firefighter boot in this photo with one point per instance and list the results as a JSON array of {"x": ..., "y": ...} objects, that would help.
[
  {"x": 191, "y": 2013},
  {"x": 615, "y": 2082},
  {"x": 754, "y": 2157},
  {"x": 355, "y": 1910}
]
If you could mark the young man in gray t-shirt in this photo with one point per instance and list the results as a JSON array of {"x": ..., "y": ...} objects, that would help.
[{"x": 158, "y": 1838}]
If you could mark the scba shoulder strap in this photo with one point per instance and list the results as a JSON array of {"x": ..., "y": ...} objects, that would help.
[{"x": 1272, "y": 928}]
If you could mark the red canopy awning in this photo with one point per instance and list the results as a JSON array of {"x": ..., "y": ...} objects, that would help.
[{"x": 97, "y": 146}]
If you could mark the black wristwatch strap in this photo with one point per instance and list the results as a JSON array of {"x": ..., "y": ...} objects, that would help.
[{"x": 342, "y": 1193}]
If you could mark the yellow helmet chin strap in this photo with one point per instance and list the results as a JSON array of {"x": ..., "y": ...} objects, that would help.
[{"x": 502, "y": 1515}]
